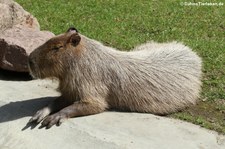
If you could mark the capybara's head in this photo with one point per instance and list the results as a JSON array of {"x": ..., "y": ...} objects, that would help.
[{"x": 53, "y": 58}]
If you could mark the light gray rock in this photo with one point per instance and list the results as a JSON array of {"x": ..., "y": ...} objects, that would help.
[
  {"x": 17, "y": 43},
  {"x": 11, "y": 14},
  {"x": 19, "y": 100}
]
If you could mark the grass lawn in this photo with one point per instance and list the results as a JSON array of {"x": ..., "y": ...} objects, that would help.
[{"x": 126, "y": 23}]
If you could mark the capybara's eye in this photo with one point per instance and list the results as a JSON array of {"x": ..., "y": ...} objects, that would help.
[{"x": 56, "y": 48}]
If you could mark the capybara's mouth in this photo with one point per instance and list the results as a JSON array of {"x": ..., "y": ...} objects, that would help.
[
  {"x": 32, "y": 70},
  {"x": 36, "y": 73}
]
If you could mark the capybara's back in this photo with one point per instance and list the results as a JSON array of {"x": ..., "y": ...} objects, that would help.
[{"x": 157, "y": 78}]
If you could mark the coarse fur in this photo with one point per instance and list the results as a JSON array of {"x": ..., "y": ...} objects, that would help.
[{"x": 157, "y": 78}]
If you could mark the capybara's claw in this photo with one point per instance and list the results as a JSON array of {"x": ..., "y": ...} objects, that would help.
[
  {"x": 55, "y": 119},
  {"x": 31, "y": 120},
  {"x": 40, "y": 115}
]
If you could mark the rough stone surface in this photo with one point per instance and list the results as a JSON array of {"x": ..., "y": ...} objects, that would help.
[
  {"x": 19, "y": 100},
  {"x": 11, "y": 14},
  {"x": 19, "y": 35},
  {"x": 17, "y": 43}
]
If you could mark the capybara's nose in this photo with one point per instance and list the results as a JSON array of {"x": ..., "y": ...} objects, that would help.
[{"x": 31, "y": 62}]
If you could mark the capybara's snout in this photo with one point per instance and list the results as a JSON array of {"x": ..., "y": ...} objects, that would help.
[{"x": 30, "y": 62}]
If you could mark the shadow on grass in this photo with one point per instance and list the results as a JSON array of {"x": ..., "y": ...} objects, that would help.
[
  {"x": 16, "y": 110},
  {"x": 206, "y": 114}
]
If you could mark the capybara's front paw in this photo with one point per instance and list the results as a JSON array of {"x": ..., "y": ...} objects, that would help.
[
  {"x": 51, "y": 120},
  {"x": 40, "y": 115}
]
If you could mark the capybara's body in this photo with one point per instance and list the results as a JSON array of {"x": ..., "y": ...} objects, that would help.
[{"x": 153, "y": 78}]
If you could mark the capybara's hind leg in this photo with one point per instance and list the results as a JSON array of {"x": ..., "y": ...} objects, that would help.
[
  {"x": 79, "y": 108},
  {"x": 54, "y": 106}
]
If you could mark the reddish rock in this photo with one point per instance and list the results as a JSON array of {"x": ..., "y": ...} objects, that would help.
[
  {"x": 17, "y": 43},
  {"x": 19, "y": 35}
]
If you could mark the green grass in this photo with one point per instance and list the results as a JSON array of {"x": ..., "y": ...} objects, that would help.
[{"x": 126, "y": 23}]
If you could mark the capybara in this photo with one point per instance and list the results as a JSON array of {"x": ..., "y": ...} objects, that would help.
[{"x": 153, "y": 78}]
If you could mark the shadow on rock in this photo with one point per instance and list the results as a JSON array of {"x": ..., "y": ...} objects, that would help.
[
  {"x": 20, "y": 109},
  {"x": 14, "y": 76}
]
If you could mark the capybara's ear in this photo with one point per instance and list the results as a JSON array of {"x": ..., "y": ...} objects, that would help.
[
  {"x": 74, "y": 39},
  {"x": 72, "y": 29}
]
